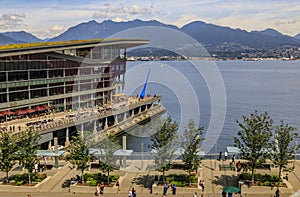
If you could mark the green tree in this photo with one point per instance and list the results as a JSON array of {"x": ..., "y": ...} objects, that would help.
[
  {"x": 253, "y": 139},
  {"x": 78, "y": 153},
  {"x": 28, "y": 143},
  {"x": 282, "y": 151},
  {"x": 164, "y": 144},
  {"x": 191, "y": 147},
  {"x": 8, "y": 150},
  {"x": 108, "y": 161}
]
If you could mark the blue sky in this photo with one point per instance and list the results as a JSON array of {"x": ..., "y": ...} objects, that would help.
[{"x": 48, "y": 18}]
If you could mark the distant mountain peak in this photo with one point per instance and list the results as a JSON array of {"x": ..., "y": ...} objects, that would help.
[
  {"x": 271, "y": 32},
  {"x": 21, "y": 36}
]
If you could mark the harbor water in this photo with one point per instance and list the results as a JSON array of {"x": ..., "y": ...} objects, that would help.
[{"x": 272, "y": 86}]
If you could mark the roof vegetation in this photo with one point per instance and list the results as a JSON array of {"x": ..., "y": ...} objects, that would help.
[{"x": 41, "y": 44}]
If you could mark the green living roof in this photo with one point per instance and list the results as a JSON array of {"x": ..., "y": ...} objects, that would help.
[{"x": 45, "y": 44}]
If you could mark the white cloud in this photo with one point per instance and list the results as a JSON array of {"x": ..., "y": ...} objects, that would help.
[
  {"x": 10, "y": 21},
  {"x": 51, "y": 32},
  {"x": 113, "y": 11}
]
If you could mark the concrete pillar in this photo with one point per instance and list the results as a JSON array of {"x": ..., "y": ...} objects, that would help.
[
  {"x": 49, "y": 145},
  {"x": 116, "y": 119},
  {"x": 55, "y": 151},
  {"x": 140, "y": 110},
  {"x": 124, "y": 152},
  {"x": 67, "y": 142},
  {"x": 106, "y": 123},
  {"x": 95, "y": 127},
  {"x": 81, "y": 130}
]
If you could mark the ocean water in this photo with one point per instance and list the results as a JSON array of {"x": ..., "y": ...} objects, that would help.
[{"x": 194, "y": 90}]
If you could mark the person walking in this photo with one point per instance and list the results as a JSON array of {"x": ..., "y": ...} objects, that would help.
[
  {"x": 224, "y": 194},
  {"x": 166, "y": 187},
  {"x": 220, "y": 156},
  {"x": 277, "y": 193},
  {"x": 225, "y": 155},
  {"x": 118, "y": 186},
  {"x": 233, "y": 159},
  {"x": 133, "y": 192},
  {"x": 174, "y": 189},
  {"x": 102, "y": 188},
  {"x": 97, "y": 190}
]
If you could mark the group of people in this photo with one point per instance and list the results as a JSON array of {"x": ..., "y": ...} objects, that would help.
[
  {"x": 132, "y": 193},
  {"x": 166, "y": 187}
]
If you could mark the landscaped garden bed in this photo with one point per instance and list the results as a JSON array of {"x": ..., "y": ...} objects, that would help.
[
  {"x": 180, "y": 180},
  {"x": 269, "y": 180},
  {"x": 22, "y": 179},
  {"x": 91, "y": 180},
  {"x": 264, "y": 184}
]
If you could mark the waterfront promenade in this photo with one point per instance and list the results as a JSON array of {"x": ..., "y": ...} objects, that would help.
[{"x": 140, "y": 175}]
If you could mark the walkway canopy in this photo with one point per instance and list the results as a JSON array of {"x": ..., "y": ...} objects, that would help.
[{"x": 50, "y": 153}]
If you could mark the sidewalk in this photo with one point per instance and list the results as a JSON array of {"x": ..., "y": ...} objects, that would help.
[{"x": 138, "y": 176}]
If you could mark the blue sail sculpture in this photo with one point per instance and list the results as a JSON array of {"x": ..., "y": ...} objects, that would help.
[{"x": 142, "y": 95}]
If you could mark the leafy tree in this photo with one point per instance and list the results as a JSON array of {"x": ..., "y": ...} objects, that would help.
[
  {"x": 164, "y": 143},
  {"x": 108, "y": 161},
  {"x": 79, "y": 153},
  {"x": 191, "y": 147},
  {"x": 8, "y": 150},
  {"x": 282, "y": 151},
  {"x": 28, "y": 143},
  {"x": 253, "y": 139}
]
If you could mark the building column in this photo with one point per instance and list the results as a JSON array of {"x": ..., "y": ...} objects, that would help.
[
  {"x": 106, "y": 123},
  {"x": 67, "y": 142},
  {"x": 81, "y": 130},
  {"x": 95, "y": 127},
  {"x": 116, "y": 119}
]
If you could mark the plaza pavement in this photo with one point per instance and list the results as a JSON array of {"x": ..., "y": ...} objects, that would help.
[{"x": 140, "y": 175}]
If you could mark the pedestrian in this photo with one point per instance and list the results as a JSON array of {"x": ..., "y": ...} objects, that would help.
[
  {"x": 166, "y": 187},
  {"x": 229, "y": 194},
  {"x": 224, "y": 194},
  {"x": 102, "y": 188},
  {"x": 129, "y": 193},
  {"x": 225, "y": 155},
  {"x": 203, "y": 185},
  {"x": 195, "y": 194},
  {"x": 277, "y": 193},
  {"x": 174, "y": 189},
  {"x": 36, "y": 167},
  {"x": 118, "y": 186},
  {"x": 133, "y": 192},
  {"x": 97, "y": 190},
  {"x": 28, "y": 195},
  {"x": 233, "y": 159},
  {"x": 220, "y": 156}
]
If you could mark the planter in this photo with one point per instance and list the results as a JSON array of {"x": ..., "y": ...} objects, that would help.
[
  {"x": 245, "y": 189},
  {"x": 86, "y": 189},
  {"x": 23, "y": 188}
]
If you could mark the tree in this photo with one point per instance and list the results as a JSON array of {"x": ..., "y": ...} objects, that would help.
[
  {"x": 79, "y": 153},
  {"x": 8, "y": 150},
  {"x": 164, "y": 144},
  {"x": 282, "y": 151},
  {"x": 108, "y": 160},
  {"x": 253, "y": 139},
  {"x": 191, "y": 147},
  {"x": 28, "y": 143}
]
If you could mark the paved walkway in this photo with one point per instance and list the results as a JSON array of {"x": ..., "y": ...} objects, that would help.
[{"x": 140, "y": 176}]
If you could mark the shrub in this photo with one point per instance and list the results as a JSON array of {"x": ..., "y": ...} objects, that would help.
[{"x": 93, "y": 183}]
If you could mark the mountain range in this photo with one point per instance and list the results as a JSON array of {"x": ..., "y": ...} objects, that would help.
[{"x": 206, "y": 34}]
